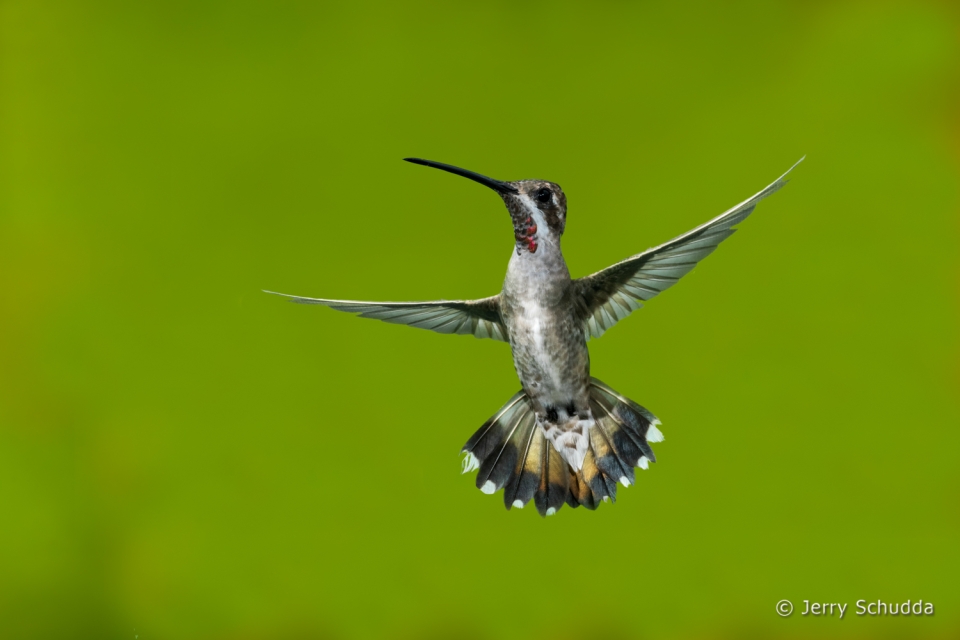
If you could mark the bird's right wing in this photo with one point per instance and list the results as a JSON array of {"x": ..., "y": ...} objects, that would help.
[{"x": 480, "y": 318}]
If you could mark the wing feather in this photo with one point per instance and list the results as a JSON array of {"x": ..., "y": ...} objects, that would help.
[
  {"x": 608, "y": 296},
  {"x": 480, "y": 318}
]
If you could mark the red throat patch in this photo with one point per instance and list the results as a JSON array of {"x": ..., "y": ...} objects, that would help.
[{"x": 525, "y": 235}]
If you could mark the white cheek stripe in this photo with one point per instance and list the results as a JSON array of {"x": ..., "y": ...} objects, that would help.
[{"x": 534, "y": 212}]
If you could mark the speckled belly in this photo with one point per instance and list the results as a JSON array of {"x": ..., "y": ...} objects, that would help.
[{"x": 551, "y": 358}]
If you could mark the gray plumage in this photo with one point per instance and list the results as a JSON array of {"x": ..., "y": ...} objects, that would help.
[{"x": 565, "y": 437}]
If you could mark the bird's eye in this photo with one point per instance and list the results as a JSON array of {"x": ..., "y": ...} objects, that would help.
[{"x": 543, "y": 195}]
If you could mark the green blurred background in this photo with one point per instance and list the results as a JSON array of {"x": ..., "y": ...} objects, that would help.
[{"x": 182, "y": 456}]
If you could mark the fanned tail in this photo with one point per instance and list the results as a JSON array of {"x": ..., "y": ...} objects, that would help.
[{"x": 512, "y": 453}]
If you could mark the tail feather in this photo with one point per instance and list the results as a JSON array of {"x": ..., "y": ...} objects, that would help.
[
  {"x": 601, "y": 484},
  {"x": 513, "y": 453},
  {"x": 489, "y": 435},
  {"x": 648, "y": 421},
  {"x": 498, "y": 448},
  {"x": 526, "y": 478},
  {"x": 633, "y": 422},
  {"x": 554, "y": 481},
  {"x": 611, "y": 448},
  {"x": 625, "y": 442},
  {"x": 580, "y": 492}
]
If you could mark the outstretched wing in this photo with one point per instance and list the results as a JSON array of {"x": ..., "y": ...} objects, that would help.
[
  {"x": 480, "y": 318},
  {"x": 611, "y": 295}
]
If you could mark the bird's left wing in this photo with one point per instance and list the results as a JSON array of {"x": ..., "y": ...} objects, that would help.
[
  {"x": 480, "y": 318},
  {"x": 608, "y": 296}
]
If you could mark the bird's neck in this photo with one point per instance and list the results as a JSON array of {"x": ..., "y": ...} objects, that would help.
[{"x": 541, "y": 275}]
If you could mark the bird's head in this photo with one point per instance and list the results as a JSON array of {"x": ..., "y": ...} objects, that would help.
[{"x": 538, "y": 208}]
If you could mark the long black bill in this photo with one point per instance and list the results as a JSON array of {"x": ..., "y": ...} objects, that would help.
[{"x": 497, "y": 185}]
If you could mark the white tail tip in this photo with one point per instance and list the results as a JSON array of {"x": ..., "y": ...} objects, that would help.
[
  {"x": 654, "y": 434},
  {"x": 470, "y": 463}
]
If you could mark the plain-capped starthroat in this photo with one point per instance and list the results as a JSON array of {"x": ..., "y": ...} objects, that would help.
[{"x": 565, "y": 437}]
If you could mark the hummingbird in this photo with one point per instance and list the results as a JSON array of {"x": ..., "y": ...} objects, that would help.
[{"x": 565, "y": 437}]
